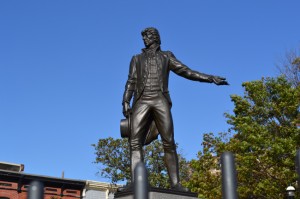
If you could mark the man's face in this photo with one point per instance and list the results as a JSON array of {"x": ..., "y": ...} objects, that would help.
[{"x": 148, "y": 39}]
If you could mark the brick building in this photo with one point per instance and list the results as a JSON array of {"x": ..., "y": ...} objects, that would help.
[{"x": 14, "y": 184}]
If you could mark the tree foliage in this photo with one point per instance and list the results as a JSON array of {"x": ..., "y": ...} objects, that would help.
[
  {"x": 206, "y": 177},
  {"x": 114, "y": 157},
  {"x": 265, "y": 139}
]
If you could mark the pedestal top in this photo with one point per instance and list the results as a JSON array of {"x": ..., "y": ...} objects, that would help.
[{"x": 159, "y": 193}]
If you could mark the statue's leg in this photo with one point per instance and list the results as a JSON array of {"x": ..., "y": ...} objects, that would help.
[
  {"x": 164, "y": 122},
  {"x": 141, "y": 120}
]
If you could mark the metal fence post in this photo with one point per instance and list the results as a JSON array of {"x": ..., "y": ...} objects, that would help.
[
  {"x": 298, "y": 165},
  {"x": 140, "y": 182},
  {"x": 229, "y": 181},
  {"x": 36, "y": 190}
]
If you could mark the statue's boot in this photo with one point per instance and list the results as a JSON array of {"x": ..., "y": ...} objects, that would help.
[
  {"x": 135, "y": 157},
  {"x": 171, "y": 161}
]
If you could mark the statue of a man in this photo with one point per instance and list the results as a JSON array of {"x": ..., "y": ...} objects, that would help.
[{"x": 148, "y": 83}]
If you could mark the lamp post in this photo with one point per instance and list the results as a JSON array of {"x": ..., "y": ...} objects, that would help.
[{"x": 290, "y": 190}]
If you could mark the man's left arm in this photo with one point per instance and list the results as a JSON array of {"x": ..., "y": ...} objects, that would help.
[
  {"x": 180, "y": 69},
  {"x": 129, "y": 87}
]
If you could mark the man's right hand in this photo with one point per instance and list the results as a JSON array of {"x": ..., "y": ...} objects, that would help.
[{"x": 126, "y": 109}]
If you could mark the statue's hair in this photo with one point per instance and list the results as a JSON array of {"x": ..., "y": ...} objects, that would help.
[{"x": 154, "y": 32}]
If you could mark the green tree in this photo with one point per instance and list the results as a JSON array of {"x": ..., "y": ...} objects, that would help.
[
  {"x": 265, "y": 139},
  {"x": 206, "y": 177},
  {"x": 113, "y": 155}
]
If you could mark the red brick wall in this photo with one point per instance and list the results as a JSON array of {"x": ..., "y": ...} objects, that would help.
[{"x": 10, "y": 190}]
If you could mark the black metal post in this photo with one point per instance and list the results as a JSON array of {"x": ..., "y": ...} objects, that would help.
[
  {"x": 140, "y": 182},
  {"x": 298, "y": 164},
  {"x": 229, "y": 181},
  {"x": 36, "y": 190}
]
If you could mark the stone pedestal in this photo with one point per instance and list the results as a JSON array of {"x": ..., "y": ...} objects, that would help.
[{"x": 158, "y": 193}]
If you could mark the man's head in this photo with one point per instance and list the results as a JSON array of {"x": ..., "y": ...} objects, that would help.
[{"x": 150, "y": 36}]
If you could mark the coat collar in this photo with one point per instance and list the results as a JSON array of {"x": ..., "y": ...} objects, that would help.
[{"x": 154, "y": 49}]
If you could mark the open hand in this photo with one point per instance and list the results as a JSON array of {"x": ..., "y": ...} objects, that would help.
[{"x": 220, "y": 80}]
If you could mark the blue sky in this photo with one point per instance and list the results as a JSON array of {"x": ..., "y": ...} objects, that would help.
[{"x": 64, "y": 64}]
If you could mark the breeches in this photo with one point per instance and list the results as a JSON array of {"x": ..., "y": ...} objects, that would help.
[{"x": 152, "y": 107}]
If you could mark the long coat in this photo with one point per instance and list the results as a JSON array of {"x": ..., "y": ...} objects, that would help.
[{"x": 166, "y": 62}]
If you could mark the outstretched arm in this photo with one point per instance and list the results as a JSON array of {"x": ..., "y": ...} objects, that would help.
[{"x": 180, "y": 69}]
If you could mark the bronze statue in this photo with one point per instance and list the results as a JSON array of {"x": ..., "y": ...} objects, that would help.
[{"x": 148, "y": 84}]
